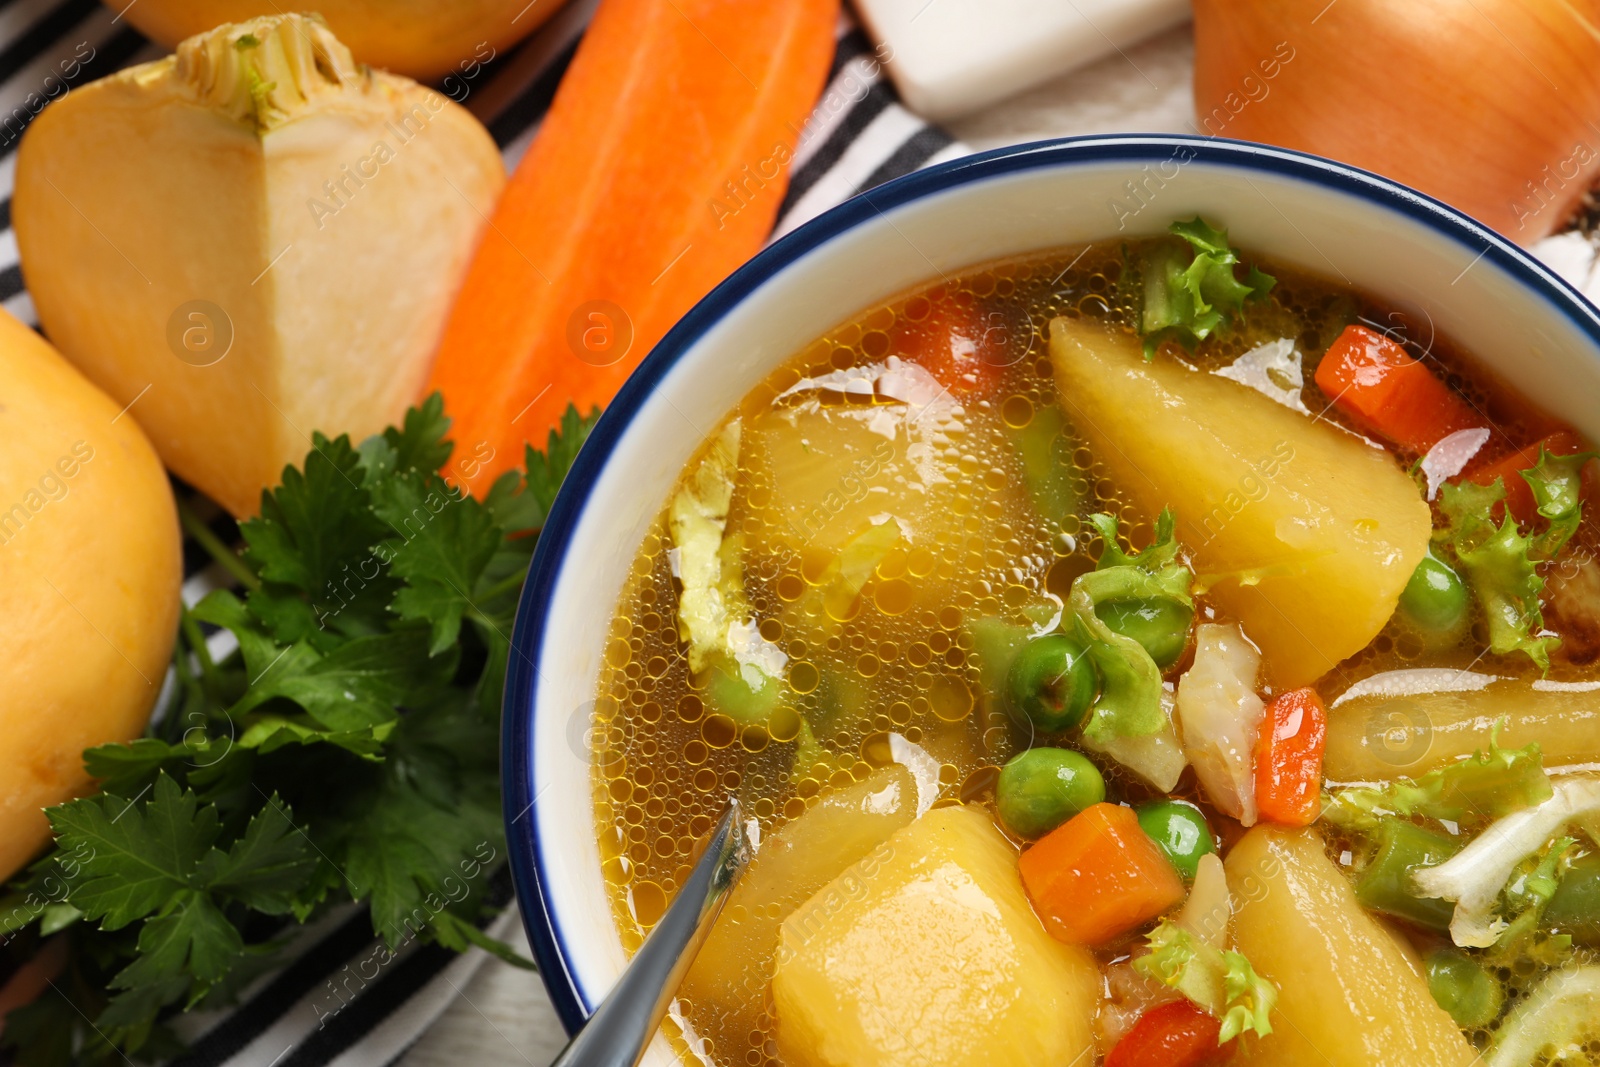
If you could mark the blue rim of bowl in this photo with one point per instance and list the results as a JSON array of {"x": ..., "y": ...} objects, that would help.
[{"x": 527, "y": 862}]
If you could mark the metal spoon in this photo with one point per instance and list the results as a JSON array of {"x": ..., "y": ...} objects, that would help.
[{"x": 620, "y": 1029}]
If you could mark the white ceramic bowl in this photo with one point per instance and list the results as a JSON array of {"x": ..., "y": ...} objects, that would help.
[{"x": 1345, "y": 224}]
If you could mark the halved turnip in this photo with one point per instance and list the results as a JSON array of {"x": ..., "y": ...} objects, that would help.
[{"x": 251, "y": 240}]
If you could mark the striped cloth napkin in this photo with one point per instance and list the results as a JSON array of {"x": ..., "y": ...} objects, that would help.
[{"x": 334, "y": 1004}]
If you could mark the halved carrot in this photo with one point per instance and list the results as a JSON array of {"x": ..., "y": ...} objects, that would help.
[
  {"x": 658, "y": 170},
  {"x": 1098, "y": 875},
  {"x": 1288, "y": 758},
  {"x": 29, "y": 981},
  {"x": 1519, "y": 498},
  {"x": 1373, "y": 380}
]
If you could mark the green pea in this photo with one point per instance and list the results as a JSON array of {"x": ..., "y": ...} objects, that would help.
[
  {"x": 1044, "y": 787},
  {"x": 1159, "y": 624},
  {"x": 1465, "y": 990},
  {"x": 1180, "y": 830},
  {"x": 1051, "y": 683},
  {"x": 1435, "y": 598}
]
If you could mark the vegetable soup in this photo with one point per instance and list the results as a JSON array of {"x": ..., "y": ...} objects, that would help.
[{"x": 1136, "y": 654}]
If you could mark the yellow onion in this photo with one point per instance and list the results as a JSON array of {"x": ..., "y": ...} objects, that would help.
[{"x": 1493, "y": 106}]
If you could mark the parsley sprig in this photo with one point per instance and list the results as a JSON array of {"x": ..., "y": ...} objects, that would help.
[{"x": 347, "y": 750}]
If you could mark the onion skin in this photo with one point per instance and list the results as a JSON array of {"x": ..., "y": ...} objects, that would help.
[{"x": 1492, "y": 106}]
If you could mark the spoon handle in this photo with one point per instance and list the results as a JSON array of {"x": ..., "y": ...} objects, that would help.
[{"x": 620, "y": 1029}]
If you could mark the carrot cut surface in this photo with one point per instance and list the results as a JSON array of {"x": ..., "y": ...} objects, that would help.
[
  {"x": 1098, "y": 875},
  {"x": 1175, "y": 1034},
  {"x": 1373, "y": 380},
  {"x": 1288, "y": 756},
  {"x": 658, "y": 171}
]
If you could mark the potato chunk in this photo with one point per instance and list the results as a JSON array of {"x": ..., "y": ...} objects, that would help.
[
  {"x": 731, "y": 972},
  {"x": 1302, "y": 531},
  {"x": 834, "y": 469},
  {"x": 931, "y": 956},
  {"x": 1348, "y": 996}
]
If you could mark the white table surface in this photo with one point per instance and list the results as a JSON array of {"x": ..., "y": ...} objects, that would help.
[{"x": 503, "y": 1015}]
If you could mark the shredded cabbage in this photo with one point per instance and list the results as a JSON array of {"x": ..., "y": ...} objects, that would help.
[
  {"x": 1220, "y": 714},
  {"x": 841, "y": 583},
  {"x": 714, "y": 615},
  {"x": 1476, "y": 876},
  {"x": 1219, "y": 981},
  {"x": 1210, "y": 905},
  {"x": 1157, "y": 758},
  {"x": 1129, "y": 704},
  {"x": 697, "y": 519}
]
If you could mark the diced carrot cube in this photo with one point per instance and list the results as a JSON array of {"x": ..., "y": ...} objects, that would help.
[
  {"x": 1098, "y": 875},
  {"x": 1288, "y": 758},
  {"x": 1374, "y": 381},
  {"x": 964, "y": 345}
]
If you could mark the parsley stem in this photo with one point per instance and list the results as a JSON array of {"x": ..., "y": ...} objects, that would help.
[
  {"x": 164, "y": 721},
  {"x": 509, "y": 584},
  {"x": 202, "y": 652},
  {"x": 227, "y": 557}
]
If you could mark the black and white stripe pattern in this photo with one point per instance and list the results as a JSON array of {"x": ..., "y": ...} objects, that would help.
[{"x": 334, "y": 1004}]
